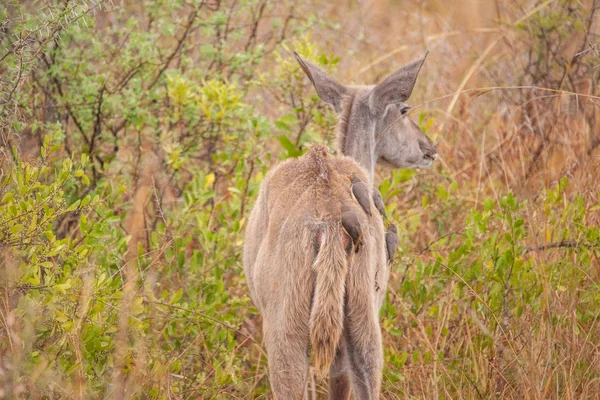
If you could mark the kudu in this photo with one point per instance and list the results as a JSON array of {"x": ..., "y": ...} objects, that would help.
[{"x": 311, "y": 291}]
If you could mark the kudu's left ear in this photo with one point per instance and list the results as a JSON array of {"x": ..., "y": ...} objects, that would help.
[
  {"x": 327, "y": 88},
  {"x": 397, "y": 87}
]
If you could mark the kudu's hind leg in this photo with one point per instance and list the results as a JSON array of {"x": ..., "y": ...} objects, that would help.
[
  {"x": 288, "y": 362},
  {"x": 339, "y": 374},
  {"x": 357, "y": 366},
  {"x": 362, "y": 336}
]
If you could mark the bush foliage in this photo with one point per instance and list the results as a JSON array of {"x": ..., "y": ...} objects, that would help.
[{"x": 134, "y": 139}]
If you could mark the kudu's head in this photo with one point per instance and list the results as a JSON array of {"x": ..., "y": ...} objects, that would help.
[{"x": 374, "y": 124}]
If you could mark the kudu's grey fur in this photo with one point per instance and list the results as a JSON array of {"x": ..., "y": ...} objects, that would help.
[{"x": 311, "y": 291}]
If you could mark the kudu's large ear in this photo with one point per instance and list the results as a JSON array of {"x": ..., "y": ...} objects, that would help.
[
  {"x": 397, "y": 87},
  {"x": 327, "y": 88}
]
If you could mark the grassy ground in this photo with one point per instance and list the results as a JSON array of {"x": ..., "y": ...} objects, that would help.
[{"x": 135, "y": 135}]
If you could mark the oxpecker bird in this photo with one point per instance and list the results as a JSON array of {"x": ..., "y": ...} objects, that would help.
[
  {"x": 391, "y": 241},
  {"x": 378, "y": 201},
  {"x": 351, "y": 225},
  {"x": 361, "y": 193}
]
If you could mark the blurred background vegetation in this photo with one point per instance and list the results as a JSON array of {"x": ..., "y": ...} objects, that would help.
[{"x": 133, "y": 139}]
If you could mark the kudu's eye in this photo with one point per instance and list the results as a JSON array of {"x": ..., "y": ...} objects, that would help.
[{"x": 404, "y": 110}]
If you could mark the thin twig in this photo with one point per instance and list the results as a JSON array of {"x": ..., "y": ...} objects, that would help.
[{"x": 563, "y": 243}]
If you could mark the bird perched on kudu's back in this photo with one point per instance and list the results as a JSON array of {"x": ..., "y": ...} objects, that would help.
[
  {"x": 378, "y": 201},
  {"x": 391, "y": 241},
  {"x": 361, "y": 194},
  {"x": 351, "y": 225}
]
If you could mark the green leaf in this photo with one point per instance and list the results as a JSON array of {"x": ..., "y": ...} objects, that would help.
[
  {"x": 283, "y": 125},
  {"x": 137, "y": 306},
  {"x": 289, "y": 119},
  {"x": 289, "y": 146},
  {"x": 176, "y": 296},
  {"x": 73, "y": 206},
  {"x": 86, "y": 200},
  {"x": 7, "y": 197}
]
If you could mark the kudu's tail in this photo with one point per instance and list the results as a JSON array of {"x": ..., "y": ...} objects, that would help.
[{"x": 327, "y": 313}]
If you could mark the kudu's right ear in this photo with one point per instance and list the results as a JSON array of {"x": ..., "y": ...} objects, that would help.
[
  {"x": 397, "y": 87},
  {"x": 327, "y": 88}
]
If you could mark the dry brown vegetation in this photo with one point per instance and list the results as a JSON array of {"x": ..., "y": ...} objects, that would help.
[{"x": 121, "y": 269}]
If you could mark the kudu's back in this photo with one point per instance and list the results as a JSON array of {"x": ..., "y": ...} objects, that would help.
[{"x": 306, "y": 283}]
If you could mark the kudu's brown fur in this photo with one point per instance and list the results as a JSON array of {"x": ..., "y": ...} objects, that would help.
[{"x": 311, "y": 292}]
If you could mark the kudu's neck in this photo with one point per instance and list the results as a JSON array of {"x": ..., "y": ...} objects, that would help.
[{"x": 355, "y": 139}]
